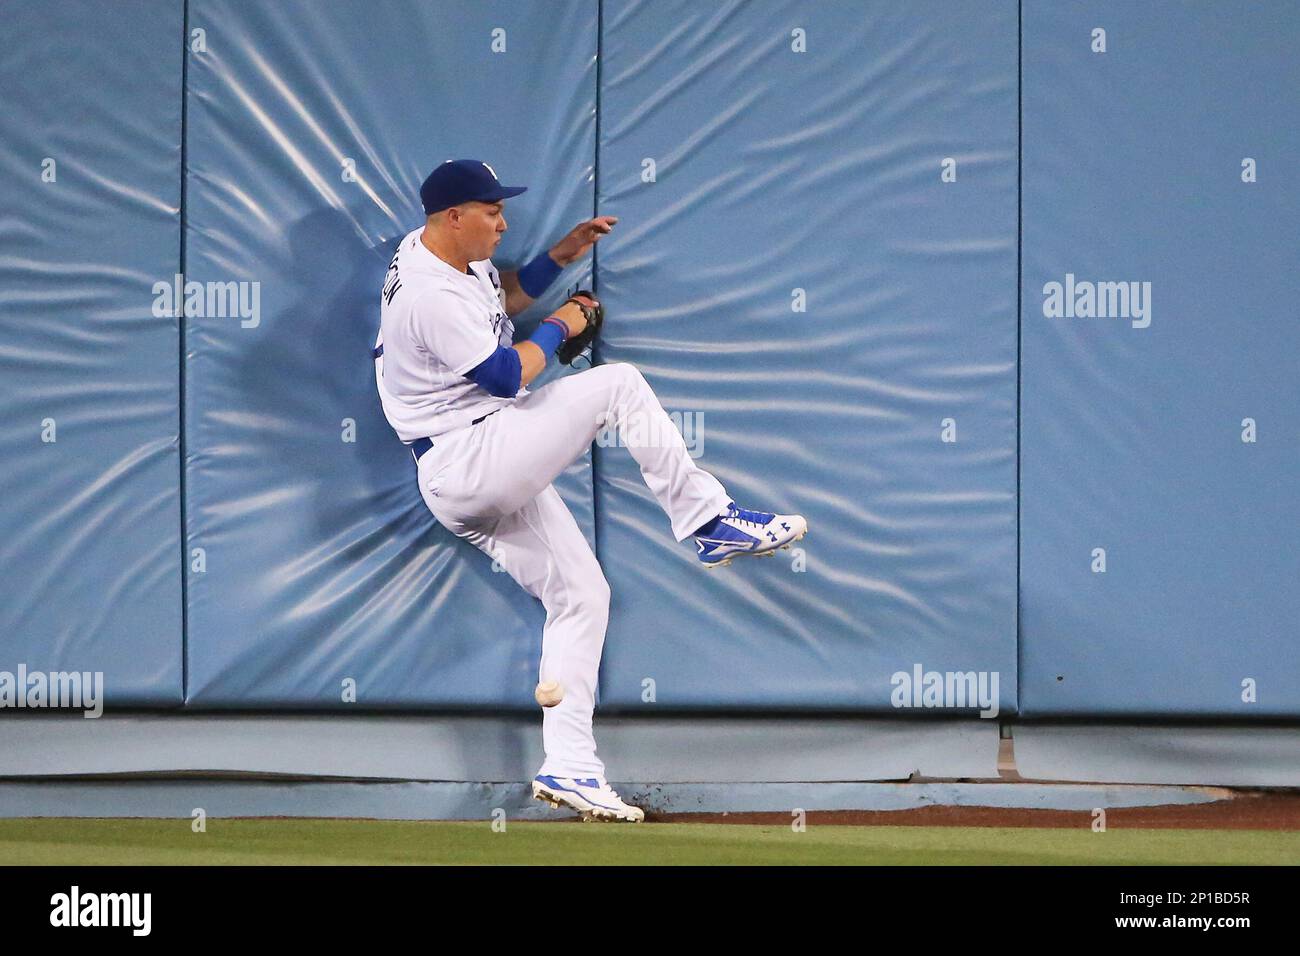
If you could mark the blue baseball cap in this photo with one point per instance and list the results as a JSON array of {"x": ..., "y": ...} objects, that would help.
[{"x": 463, "y": 180}]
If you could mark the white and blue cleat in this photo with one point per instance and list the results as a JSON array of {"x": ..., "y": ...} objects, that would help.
[
  {"x": 738, "y": 533},
  {"x": 592, "y": 797}
]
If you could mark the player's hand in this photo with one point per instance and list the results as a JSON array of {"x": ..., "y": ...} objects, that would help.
[
  {"x": 572, "y": 316},
  {"x": 581, "y": 238}
]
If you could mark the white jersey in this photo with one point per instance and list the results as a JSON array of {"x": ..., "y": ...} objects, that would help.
[{"x": 437, "y": 323}]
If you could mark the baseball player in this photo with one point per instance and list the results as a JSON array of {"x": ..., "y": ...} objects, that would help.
[{"x": 453, "y": 384}]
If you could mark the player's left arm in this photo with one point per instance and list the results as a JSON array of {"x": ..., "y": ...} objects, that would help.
[{"x": 525, "y": 285}]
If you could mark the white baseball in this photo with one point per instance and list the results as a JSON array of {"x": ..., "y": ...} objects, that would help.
[{"x": 549, "y": 693}]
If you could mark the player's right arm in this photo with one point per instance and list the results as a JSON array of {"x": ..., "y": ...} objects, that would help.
[
  {"x": 507, "y": 368},
  {"x": 501, "y": 370},
  {"x": 448, "y": 328}
]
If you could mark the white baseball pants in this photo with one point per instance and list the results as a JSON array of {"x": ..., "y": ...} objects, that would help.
[{"x": 491, "y": 485}]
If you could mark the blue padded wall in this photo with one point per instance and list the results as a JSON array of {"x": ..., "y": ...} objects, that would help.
[
  {"x": 792, "y": 272},
  {"x": 1132, "y": 432},
  {"x": 90, "y": 548},
  {"x": 322, "y": 562},
  {"x": 776, "y": 170}
]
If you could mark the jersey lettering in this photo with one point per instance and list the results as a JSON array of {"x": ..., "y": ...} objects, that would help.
[{"x": 392, "y": 281}]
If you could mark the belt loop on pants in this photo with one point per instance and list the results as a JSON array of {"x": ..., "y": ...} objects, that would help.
[{"x": 421, "y": 445}]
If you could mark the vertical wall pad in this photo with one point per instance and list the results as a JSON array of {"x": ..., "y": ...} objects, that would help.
[
  {"x": 89, "y": 465},
  {"x": 800, "y": 284},
  {"x": 311, "y": 127},
  {"x": 1135, "y": 437}
]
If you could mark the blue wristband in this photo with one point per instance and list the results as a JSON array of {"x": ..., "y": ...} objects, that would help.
[
  {"x": 548, "y": 335},
  {"x": 535, "y": 277}
]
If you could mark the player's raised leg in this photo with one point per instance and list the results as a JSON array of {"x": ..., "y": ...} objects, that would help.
[{"x": 542, "y": 433}]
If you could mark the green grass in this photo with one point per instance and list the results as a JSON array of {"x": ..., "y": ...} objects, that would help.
[{"x": 299, "y": 841}]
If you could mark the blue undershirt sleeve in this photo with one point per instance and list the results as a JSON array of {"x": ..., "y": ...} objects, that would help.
[{"x": 500, "y": 373}]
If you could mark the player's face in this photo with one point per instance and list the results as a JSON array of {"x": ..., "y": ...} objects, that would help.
[{"x": 488, "y": 222}]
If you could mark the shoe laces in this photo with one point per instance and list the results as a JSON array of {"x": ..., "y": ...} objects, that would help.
[{"x": 757, "y": 518}]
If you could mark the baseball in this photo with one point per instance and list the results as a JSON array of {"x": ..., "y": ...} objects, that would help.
[{"x": 549, "y": 693}]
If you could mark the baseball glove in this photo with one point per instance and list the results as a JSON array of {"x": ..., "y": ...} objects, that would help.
[{"x": 570, "y": 349}]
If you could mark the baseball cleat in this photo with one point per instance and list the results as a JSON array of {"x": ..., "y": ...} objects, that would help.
[
  {"x": 738, "y": 533},
  {"x": 590, "y": 796}
]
